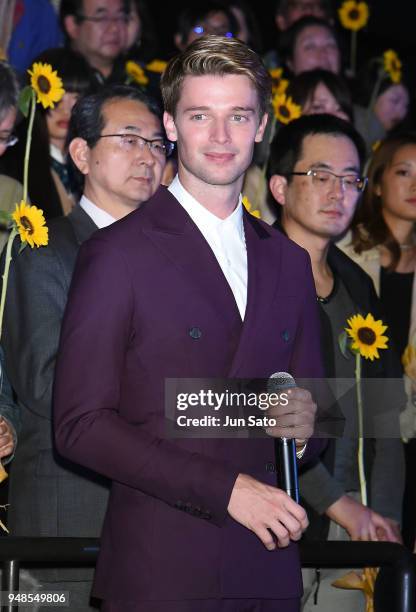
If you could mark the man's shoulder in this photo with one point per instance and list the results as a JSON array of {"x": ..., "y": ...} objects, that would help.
[{"x": 288, "y": 247}]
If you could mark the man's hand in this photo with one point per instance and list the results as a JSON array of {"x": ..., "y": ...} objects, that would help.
[
  {"x": 267, "y": 511},
  {"x": 362, "y": 523},
  {"x": 6, "y": 438},
  {"x": 296, "y": 419}
]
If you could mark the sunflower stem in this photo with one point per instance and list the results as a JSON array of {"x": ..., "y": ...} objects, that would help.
[
  {"x": 353, "y": 52},
  {"x": 28, "y": 144},
  {"x": 361, "y": 472},
  {"x": 5, "y": 276},
  {"x": 373, "y": 99}
]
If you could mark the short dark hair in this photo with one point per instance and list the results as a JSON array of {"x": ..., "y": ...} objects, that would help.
[
  {"x": 287, "y": 146},
  {"x": 302, "y": 87},
  {"x": 9, "y": 89},
  {"x": 87, "y": 119},
  {"x": 194, "y": 14}
]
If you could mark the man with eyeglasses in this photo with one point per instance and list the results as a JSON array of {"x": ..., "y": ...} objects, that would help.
[
  {"x": 119, "y": 149},
  {"x": 97, "y": 29},
  {"x": 315, "y": 172}
]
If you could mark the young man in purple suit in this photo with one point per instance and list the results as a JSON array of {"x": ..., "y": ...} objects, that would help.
[{"x": 191, "y": 286}]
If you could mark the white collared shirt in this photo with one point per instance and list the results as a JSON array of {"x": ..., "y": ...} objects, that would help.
[
  {"x": 224, "y": 236},
  {"x": 100, "y": 217}
]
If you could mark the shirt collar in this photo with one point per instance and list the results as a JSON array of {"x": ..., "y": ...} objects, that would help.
[
  {"x": 100, "y": 217},
  {"x": 201, "y": 216}
]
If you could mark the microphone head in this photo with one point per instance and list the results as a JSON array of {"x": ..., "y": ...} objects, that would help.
[{"x": 279, "y": 381}]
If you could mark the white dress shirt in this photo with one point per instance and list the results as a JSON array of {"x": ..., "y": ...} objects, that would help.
[
  {"x": 100, "y": 217},
  {"x": 224, "y": 236}
]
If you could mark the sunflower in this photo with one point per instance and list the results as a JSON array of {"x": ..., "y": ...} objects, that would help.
[
  {"x": 136, "y": 73},
  {"x": 285, "y": 109},
  {"x": 367, "y": 335},
  {"x": 279, "y": 84},
  {"x": 30, "y": 224},
  {"x": 248, "y": 206},
  {"x": 392, "y": 65},
  {"x": 354, "y": 15},
  {"x": 156, "y": 65},
  {"x": 47, "y": 84}
]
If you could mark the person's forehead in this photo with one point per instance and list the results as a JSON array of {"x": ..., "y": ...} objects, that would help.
[
  {"x": 324, "y": 148},
  {"x": 126, "y": 112},
  {"x": 315, "y": 32},
  {"x": 92, "y": 7},
  {"x": 230, "y": 88}
]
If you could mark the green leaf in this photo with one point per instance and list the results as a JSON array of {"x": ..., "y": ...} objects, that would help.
[
  {"x": 25, "y": 98},
  {"x": 343, "y": 344},
  {"x": 23, "y": 245}
]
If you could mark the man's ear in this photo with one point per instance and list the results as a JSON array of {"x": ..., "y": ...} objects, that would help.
[
  {"x": 278, "y": 187},
  {"x": 71, "y": 26},
  {"x": 80, "y": 154},
  {"x": 170, "y": 127},
  {"x": 280, "y": 22},
  {"x": 261, "y": 128},
  {"x": 178, "y": 40}
]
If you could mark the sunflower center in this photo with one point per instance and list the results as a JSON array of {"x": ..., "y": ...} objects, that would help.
[
  {"x": 27, "y": 225},
  {"x": 284, "y": 111},
  {"x": 354, "y": 14},
  {"x": 366, "y": 335},
  {"x": 44, "y": 84}
]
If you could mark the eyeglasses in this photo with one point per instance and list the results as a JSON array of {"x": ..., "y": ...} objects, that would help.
[
  {"x": 131, "y": 142},
  {"x": 324, "y": 179},
  {"x": 8, "y": 141},
  {"x": 105, "y": 20},
  {"x": 200, "y": 29}
]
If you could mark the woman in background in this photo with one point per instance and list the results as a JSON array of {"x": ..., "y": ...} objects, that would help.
[{"x": 384, "y": 245}]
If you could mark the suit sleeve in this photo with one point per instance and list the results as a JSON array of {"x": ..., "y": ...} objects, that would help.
[
  {"x": 36, "y": 297},
  {"x": 89, "y": 429}
]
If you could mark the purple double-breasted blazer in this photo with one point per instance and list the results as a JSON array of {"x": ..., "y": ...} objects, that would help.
[{"x": 140, "y": 287}]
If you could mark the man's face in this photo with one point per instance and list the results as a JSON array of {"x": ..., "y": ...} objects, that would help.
[
  {"x": 298, "y": 9},
  {"x": 6, "y": 128},
  {"x": 315, "y": 47},
  {"x": 314, "y": 208},
  {"x": 101, "y": 37},
  {"x": 117, "y": 170},
  {"x": 216, "y": 125},
  {"x": 392, "y": 105}
]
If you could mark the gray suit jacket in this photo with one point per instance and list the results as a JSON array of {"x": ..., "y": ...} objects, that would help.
[{"x": 48, "y": 496}]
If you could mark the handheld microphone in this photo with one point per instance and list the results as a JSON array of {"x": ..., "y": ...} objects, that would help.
[{"x": 286, "y": 447}]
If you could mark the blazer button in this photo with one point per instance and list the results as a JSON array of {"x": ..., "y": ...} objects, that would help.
[
  {"x": 285, "y": 335},
  {"x": 270, "y": 467},
  {"x": 195, "y": 333}
]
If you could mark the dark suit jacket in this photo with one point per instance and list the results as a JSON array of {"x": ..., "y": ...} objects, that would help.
[
  {"x": 139, "y": 288},
  {"x": 48, "y": 496}
]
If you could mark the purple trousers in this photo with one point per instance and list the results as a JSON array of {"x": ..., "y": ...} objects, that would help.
[{"x": 207, "y": 605}]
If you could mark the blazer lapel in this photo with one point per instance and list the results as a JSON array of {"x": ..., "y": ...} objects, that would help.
[
  {"x": 263, "y": 263},
  {"x": 174, "y": 232}
]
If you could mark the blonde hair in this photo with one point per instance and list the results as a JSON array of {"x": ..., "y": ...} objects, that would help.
[{"x": 215, "y": 55}]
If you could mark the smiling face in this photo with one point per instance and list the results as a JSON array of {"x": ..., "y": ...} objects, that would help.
[
  {"x": 322, "y": 101},
  {"x": 315, "y": 47},
  {"x": 392, "y": 105},
  {"x": 118, "y": 177},
  {"x": 216, "y": 125},
  {"x": 397, "y": 188},
  {"x": 313, "y": 209}
]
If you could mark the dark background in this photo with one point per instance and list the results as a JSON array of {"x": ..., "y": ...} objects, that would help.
[{"x": 391, "y": 25}]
